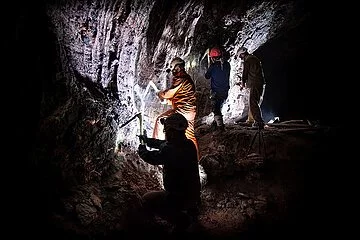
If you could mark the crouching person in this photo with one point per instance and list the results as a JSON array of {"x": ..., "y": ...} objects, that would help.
[{"x": 178, "y": 202}]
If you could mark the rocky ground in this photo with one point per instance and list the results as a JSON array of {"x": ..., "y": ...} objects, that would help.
[
  {"x": 251, "y": 190},
  {"x": 254, "y": 185},
  {"x": 254, "y": 190}
]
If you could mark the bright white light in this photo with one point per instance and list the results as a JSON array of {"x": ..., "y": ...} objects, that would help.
[
  {"x": 203, "y": 176},
  {"x": 274, "y": 119},
  {"x": 134, "y": 127},
  {"x": 193, "y": 63}
]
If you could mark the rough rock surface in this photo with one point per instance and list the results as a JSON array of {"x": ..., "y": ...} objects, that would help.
[{"x": 95, "y": 65}]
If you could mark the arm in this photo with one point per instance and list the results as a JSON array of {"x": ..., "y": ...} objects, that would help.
[
  {"x": 208, "y": 72},
  {"x": 154, "y": 143},
  {"x": 228, "y": 69},
  {"x": 245, "y": 73},
  {"x": 170, "y": 92},
  {"x": 155, "y": 157}
]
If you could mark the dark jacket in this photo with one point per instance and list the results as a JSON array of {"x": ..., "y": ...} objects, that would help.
[
  {"x": 219, "y": 73},
  {"x": 253, "y": 74},
  {"x": 180, "y": 166}
]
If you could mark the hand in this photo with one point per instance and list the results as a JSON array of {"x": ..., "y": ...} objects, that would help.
[
  {"x": 143, "y": 138},
  {"x": 162, "y": 100},
  {"x": 142, "y": 149},
  {"x": 159, "y": 95}
]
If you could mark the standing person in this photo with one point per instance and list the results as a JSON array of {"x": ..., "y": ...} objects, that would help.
[
  {"x": 253, "y": 78},
  {"x": 181, "y": 96},
  {"x": 180, "y": 199},
  {"x": 219, "y": 74}
]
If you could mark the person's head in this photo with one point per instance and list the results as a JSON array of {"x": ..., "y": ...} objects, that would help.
[
  {"x": 243, "y": 52},
  {"x": 176, "y": 65},
  {"x": 174, "y": 126},
  {"x": 215, "y": 54}
]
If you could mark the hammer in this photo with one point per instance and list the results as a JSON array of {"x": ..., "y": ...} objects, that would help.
[{"x": 138, "y": 115}]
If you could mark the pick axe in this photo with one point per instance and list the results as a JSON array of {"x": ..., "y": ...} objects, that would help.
[{"x": 138, "y": 115}]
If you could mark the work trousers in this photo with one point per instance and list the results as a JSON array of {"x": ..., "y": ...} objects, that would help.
[
  {"x": 217, "y": 101},
  {"x": 255, "y": 99}
]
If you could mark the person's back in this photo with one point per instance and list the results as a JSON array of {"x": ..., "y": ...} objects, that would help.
[
  {"x": 178, "y": 155},
  {"x": 253, "y": 78},
  {"x": 253, "y": 70},
  {"x": 184, "y": 99},
  {"x": 219, "y": 75},
  {"x": 181, "y": 171}
]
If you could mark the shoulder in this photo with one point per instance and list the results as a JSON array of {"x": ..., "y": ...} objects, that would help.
[
  {"x": 185, "y": 77},
  {"x": 182, "y": 79},
  {"x": 212, "y": 65},
  {"x": 254, "y": 58},
  {"x": 191, "y": 146}
]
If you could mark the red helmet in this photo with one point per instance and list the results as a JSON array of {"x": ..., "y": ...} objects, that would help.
[{"x": 215, "y": 52}]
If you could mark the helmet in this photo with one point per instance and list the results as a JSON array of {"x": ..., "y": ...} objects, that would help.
[
  {"x": 215, "y": 52},
  {"x": 175, "y": 121},
  {"x": 176, "y": 61},
  {"x": 242, "y": 50}
]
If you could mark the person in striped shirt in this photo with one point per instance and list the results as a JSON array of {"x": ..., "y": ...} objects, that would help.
[{"x": 181, "y": 96}]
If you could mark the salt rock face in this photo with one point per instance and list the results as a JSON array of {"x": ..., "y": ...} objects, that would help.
[{"x": 110, "y": 59}]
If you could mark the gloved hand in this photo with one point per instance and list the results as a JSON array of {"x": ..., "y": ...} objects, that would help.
[
  {"x": 162, "y": 100},
  {"x": 143, "y": 138},
  {"x": 159, "y": 94},
  {"x": 142, "y": 149}
]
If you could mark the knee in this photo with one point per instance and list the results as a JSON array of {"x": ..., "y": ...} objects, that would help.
[{"x": 147, "y": 198}]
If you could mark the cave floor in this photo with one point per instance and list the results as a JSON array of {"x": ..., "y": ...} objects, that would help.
[
  {"x": 251, "y": 191},
  {"x": 259, "y": 192}
]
